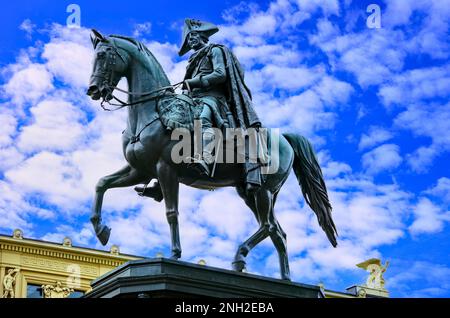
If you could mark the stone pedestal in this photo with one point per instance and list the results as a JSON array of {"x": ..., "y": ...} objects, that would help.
[
  {"x": 165, "y": 278},
  {"x": 367, "y": 292}
]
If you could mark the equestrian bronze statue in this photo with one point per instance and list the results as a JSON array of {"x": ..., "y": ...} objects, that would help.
[{"x": 214, "y": 95}]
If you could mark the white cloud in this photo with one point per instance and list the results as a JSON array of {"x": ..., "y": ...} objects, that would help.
[
  {"x": 56, "y": 126},
  {"x": 436, "y": 127},
  {"x": 10, "y": 157},
  {"x": 382, "y": 158},
  {"x": 375, "y": 136},
  {"x": 428, "y": 218},
  {"x": 302, "y": 113},
  {"x": 422, "y": 158},
  {"x": 372, "y": 215},
  {"x": 78, "y": 237},
  {"x": 267, "y": 53},
  {"x": 442, "y": 189},
  {"x": 376, "y": 56},
  {"x": 8, "y": 125},
  {"x": 29, "y": 84},
  {"x": 232, "y": 220},
  {"x": 259, "y": 25},
  {"x": 69, "y": 61},
  {"x": 433, "y": 19},
  {"x": 28, "y": 27},
  {"x": 15, "y": 211},
  {"x": 329, "y": 7},
  {"x": 412, "y": 273},
  {"x": 308, "y": 112},
  {"x": 334, "y": 92},
  {"x": 51, "y": 175},
  {"x": 141, "y": 29},
  {"x": 371, "y": 56},
  {"x": 232, "y": 14},
  {"x": 288, "y": 78},
  {"x": 416, "y": 85},
  {"x": 334, "y": 169}
]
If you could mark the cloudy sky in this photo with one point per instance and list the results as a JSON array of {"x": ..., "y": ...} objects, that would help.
[{"x": 373, "y": 101}]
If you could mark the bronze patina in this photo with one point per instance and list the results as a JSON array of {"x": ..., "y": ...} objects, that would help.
[{"x": 215, "y": 88}]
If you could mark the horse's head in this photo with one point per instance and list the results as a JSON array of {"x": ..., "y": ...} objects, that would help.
[{"x": 109, "y": 66}]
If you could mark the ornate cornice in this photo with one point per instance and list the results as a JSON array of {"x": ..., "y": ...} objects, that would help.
[{"x": 32, "y": 247}]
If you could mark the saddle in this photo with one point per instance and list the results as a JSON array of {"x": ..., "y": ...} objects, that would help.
[{"x": 180, "y": 111}]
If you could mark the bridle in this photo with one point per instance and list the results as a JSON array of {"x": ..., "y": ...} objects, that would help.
[
  {"x": 110, "y": 61},
  {"x": 154, "y": 95}
]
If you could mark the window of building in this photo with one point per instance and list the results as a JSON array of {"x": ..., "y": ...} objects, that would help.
[
  {"x": 76, "y": 294},
  {"x": 34, "y": 291}
]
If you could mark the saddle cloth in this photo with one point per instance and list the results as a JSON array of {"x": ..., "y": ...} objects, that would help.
[{"x": 178, "y": 111}]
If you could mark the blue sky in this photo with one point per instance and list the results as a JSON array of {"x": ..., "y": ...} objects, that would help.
[{"x": 374, "y": 102}]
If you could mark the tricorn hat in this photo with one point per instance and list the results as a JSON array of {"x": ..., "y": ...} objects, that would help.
[{"x": 190, "y": 25}]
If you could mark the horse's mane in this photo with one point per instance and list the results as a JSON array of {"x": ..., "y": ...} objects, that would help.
[{"x": 148, "y": 54}]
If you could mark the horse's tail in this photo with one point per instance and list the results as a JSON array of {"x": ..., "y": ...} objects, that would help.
[{"x": 310, "y": 178}]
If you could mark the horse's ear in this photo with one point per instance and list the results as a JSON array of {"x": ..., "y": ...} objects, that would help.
[
  {"x": 94, "y": 41},
  {"x": 98, "y": 36}
]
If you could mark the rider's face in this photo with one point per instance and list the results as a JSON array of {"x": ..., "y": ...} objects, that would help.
[{"x": 195, "y": 41}]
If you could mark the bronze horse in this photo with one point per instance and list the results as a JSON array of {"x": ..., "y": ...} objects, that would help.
[{"x": 147, "y": 148}]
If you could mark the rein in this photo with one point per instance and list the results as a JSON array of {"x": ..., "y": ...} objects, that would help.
[{"x": 161, "y": 93}]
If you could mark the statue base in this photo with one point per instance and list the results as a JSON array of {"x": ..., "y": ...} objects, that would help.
[
  {"x": 367, "y": 292},
  {"x": 166, "y": 278}
]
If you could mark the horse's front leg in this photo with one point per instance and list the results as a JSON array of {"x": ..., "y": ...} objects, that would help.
[
  {"x": 168, "y": 179},
  {"x": 125, "y": 177}
]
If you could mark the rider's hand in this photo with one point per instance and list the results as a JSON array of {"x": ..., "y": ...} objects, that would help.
[{"x": 193, "y": 83}]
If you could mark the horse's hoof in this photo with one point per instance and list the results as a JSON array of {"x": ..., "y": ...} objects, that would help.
[
  {"x": 239, "y": 266},
  {"x": 175, "y": 256},
  {"x": 103, "y": 234}
]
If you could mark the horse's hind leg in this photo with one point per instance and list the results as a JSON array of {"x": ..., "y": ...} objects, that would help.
[
  {"x": 125, "y": 177},
  {"x": 169, "y": 185},
  {"x": 278, "y": 238},
  {"x": 257, "y": 237},
  {"x": 262, "y": 205}
]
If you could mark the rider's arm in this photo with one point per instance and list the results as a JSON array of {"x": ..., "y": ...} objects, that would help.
[{"x": 217, "y": 76}]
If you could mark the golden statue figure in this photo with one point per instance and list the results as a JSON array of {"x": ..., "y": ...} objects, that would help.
[
  {"x": 8, "y": 283},
  {"x": 57, "y": 291},
  {"x": 376, "y": 271}
]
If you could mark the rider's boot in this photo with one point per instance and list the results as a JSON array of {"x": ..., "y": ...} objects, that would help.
[
  {"x": 152, "y": 192},
  {"x": 202, "y": 163},
  {"x": 252, "y": 178}
]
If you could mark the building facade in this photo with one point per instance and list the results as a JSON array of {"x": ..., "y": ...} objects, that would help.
[{"x": 38, "y": 269}]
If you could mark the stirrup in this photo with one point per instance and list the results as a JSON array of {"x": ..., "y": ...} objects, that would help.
[{"x": 200, "y": 165}]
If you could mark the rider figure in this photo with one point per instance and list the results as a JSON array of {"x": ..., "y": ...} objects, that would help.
[
  {"x": 205, "y": 80},
  {"x": 215, "y": 78}
]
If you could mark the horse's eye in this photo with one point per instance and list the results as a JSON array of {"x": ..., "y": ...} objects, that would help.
[{"x": 101, "y": 55}]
